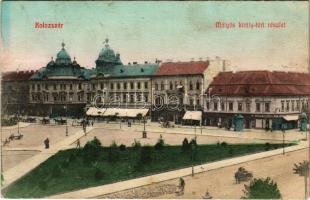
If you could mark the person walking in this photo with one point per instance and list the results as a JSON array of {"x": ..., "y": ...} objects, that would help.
[
  {"x": 47, "y": 143},
  {"x": 78, "y": 144}
]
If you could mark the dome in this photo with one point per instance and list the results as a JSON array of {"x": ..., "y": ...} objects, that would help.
[
  {"x": 62, "y": 56},
  {"x": 107, "y": 54},
  {"x": 51, "y": 62}
]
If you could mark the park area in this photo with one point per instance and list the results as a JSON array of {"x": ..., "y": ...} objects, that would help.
[{"x": 94, "y": 165}]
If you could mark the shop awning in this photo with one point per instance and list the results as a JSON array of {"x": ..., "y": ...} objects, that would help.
[
  {"x": 193, "y": 115},
  {"x": 132, "y": 112},
  {"x": 291, "y": 117},
  {"x": 92, "y": 111},
  {"x": 111, "y": 112}
]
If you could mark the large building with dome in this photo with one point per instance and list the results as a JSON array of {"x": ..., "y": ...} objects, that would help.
[
  {"x": 164, "y": 90},
  {"x": 63, "y": 87}
]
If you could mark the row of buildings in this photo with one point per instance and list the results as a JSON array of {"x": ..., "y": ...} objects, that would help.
[{"x": 167, "y": 89}]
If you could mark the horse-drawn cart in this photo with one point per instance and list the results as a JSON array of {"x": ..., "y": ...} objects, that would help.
[{"x": 243, "y": 175}]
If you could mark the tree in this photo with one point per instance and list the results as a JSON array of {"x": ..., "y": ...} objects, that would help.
[
  {"x": 160, "y": 144},
  {"x": 185, "y": 145},
  {"x": 303, "y": 170},
  {"x": 262, "y": 189},
  {"x": 91, "y": 150}
]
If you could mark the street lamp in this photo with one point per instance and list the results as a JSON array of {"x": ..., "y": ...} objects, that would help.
[
  {"x": 66, "y": 119},
  {"x": 70, "y": 99},
  {"x": 283, "y": 131}
]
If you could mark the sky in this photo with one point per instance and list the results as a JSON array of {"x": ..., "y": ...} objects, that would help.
[{"x": 144, "y": 31}]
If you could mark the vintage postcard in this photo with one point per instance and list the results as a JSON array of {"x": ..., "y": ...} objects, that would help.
[{"x": 155, "y": 100}]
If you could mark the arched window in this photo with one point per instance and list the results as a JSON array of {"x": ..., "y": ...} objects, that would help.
[
  {"x": 190, "y": 85},
  {"x": 197, "y": 85},
  {"x": 162, "y": 86}
]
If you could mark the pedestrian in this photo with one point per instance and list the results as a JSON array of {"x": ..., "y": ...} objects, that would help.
[
  {"x": 181, "y": 185},
  {"x": 78, "y": 144},
  {"x": 47, "y": 143}
]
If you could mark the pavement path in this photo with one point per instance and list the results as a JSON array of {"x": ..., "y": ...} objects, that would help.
[
  {"x": 25, "y": 167},
  {"x": 94, "y": 192},
  {"x": 21, "y": 125},
  {"x": 259, "y": 134}
]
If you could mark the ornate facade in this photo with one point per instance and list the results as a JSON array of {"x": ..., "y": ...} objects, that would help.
[
  {"x": 265, "y": 99},
  {"x": 63, "y": 87}
]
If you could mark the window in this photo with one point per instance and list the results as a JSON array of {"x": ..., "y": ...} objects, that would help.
[
  {"x": 93, "y": 86},
  {"x": 293, "y": 105},
  {"x": 287, "y": 105},
  {"x": 139, "y": 85},
  {"x": 132, "y": 98},
  {"x": 131, "y": 85},
  {"x": 190, "y": 85},
  {"x": 70, "y": 86},
  {"x": 101, "y": 86},
  {"x": 197, "y": 85},
  {"x": 215, "y": 105},
  {"x": 125, "y": 86},
  {"x": 80, "y": 86},
  {"x": 39, "y": 87},
  {"x": 156, "y": 86},
  {"x": 33, "y": 86},
  {"x": 267, "y": 107},
  {"x": 248, "y": 107},
  {"x": 146, "y": 98},
  {"x": 124, "y": 98},
  {"x": 46, "y": 86},
  {"x": 162, "y": 86},
  {"x": 112, "y": 86},
  {"x": 231, "y": 106},
  {"x": 239, "y": 106},
  {"x": 191, "y": 102},
  {"x": 257, "y": 107},
  {"x": 282, "y": 106},
  {"x": 197, "y": 102},
  {"x": 297, "y": 105},
  {"x": 302, "y": 104},
  {"x": 118, "y": 86},
  {"x": 222, "y": 106},
  {"x": 88, "y": 96},
  {"x": 208, "y": 105},
  {"x": 145, "y": 85},
  {"x": 171, "y": 85}
]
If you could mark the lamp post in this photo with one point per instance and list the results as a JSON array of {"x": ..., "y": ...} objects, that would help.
[
  {"x": 66, "y": 119},
  {"x": 283, "y": 132}
]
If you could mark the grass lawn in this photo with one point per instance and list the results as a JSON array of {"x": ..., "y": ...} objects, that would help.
[{"x": 72, "y": 169}]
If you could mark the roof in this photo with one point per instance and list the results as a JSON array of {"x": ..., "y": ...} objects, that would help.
[
  {"x": 182, "y": 68},
  {"x": 17, "y": 76},
  {"x": 62, "y": 71},
  {"x": 260, "y": 83},
  {"x": 128, "y": 70}
]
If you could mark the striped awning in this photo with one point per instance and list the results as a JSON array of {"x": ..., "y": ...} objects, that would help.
[
  {"x": 93, "y": 111},
  {"x": 193, "y": 115},
  {"x": 291, "y": 117}
]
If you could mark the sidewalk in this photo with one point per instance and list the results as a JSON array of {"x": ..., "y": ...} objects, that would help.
[
  {"x": 23, "y": 168},
  {"x": 21, "y": 125},
  {"x": 94, "y": 192},
  {"x": 290, "y": 135}
]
